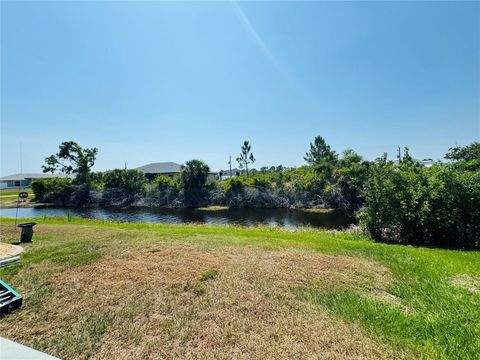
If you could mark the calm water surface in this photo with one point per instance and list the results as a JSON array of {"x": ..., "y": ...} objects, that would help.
[{"x": 246, "y": 217}]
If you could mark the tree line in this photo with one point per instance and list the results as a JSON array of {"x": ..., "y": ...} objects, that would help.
[{"x": 399, "y": 201}]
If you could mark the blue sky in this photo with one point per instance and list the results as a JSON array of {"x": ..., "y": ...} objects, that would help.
[{"x": 153, "y": 81}]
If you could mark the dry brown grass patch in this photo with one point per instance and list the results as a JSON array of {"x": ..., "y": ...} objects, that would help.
[
  {"x": 10, "y": 233},
  {"x": 468, "y": 282},
  {"x": 139, "y": 303}
]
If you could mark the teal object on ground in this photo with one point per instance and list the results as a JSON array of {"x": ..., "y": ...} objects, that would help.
[{"x": 9, "y": 298}]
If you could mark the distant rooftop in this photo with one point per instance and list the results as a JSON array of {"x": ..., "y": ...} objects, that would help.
[
  {"x": 234, "y": 172},
  {"x": 161, "y": 168},
  {"x": 28, "y": 176}
]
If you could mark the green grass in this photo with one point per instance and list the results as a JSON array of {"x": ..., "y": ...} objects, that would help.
[
  {"x": 430, "y": 316},
  {"x": 210, "y": 274},
  {"x": 15, "y": 192},
  {"x": 9, "y": 198},
  {"x": 318, "y": 210}
]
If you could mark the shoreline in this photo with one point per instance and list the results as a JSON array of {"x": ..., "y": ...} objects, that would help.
[{"x": 211, "y": 208}]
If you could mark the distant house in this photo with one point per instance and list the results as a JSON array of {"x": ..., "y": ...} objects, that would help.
[
  {"x": 427, "y": 162},
  {"x": 17, "y": 181},
  {"x": 152, "y": 170},
  {"x": 169, "y": 169},
  {"x": 225, "y": 174}
]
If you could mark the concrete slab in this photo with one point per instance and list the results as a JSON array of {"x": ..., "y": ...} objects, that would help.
[{"x": 10, "y": 350}]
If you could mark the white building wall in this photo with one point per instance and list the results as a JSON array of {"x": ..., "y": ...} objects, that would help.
[{"x": 10, "y": 184}]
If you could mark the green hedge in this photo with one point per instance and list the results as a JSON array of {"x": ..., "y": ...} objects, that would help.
[
  {"x": 413, "y": 204},
  {"x": 50, "y": 189}
]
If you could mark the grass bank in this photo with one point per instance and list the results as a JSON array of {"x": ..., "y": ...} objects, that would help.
[
  {"x": 213, "y": 208},
  {"x": 102, "y": 289},
  {"x": 9, "y": 198}
]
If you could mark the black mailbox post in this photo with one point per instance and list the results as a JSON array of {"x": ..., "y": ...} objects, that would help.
[{"x": 27, "y": 231}]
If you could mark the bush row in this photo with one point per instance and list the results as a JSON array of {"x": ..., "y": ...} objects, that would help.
[
  {"x": 402, "y": 202},
  {"x": 413, "y": 204}
]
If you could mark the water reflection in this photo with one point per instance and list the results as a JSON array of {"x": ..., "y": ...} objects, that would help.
[{"x": 245, "y": 217}]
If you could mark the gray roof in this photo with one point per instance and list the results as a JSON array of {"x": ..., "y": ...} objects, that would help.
[
  {"x": 161, "y": 168},
  {"x": 27, "y": 176}
]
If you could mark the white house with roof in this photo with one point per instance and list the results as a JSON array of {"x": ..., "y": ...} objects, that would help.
[
  {"x": 17, "y": 181},
  {"x": 152, "y": 170},
  {"x": 225, "y": 174}
]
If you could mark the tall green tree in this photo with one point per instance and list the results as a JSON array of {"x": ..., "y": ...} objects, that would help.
[
  {"x": 351, "y": 174},
  {"x": 194, "y": 175},
  {"x": 321, "y": 157},
  {"x": 72, "y": 159},
  {"x": 246, "y": 156},
  {"x": 467, "y": 153},
  {"x": 467, "y": 157},
  {"x": 408, "y": 160}
]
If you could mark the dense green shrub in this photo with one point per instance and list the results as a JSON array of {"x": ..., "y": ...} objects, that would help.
[
  {"x": 305, "y": 188},
  {"x": 165, "y": 183},
  {"x": 96, "y": 180},
  {"x": 123, "y": 185},
  {"x": 234, "y": 189},
  {"x": 301, "y": 187},
  {"x": 131, "y": 180},
  {"x": 413, "y": 204},
  {"x": 53, "y": 189},
  {"x": 79, "y": 195},
  {"x": 262, "y": 181},
  {"x": 351, "y": 174},
  {"x": 164, "y": 191},
  {"x": 234, "y": 184}
]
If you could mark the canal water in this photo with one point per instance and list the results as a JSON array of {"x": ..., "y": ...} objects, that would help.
[{"x": 245, "y": 217}]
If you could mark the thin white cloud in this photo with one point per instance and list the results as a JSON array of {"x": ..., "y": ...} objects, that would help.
[{"x": 256, "y": 38}]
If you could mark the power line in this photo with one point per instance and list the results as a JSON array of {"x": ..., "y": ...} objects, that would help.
[{"x": 21, "y": 160}]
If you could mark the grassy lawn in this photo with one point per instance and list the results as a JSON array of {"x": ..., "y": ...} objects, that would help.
[
  {"x": 8, "y": 198},
  {"x": 4, "y": 192},
  {"x": 107, "y": 290}
]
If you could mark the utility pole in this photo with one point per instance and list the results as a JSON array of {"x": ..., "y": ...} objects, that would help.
[
  {"x": 230, "y": 163},
  {"x": 125, "y": 165},
  {"x": 399, "y": 156}
]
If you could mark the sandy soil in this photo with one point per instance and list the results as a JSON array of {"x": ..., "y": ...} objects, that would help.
[{"x": 7, "y": 250}]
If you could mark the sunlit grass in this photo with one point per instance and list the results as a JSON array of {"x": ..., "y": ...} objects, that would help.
[
  {"x": 213, "y": 208},
  {"x": 422, "y": 312}
]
